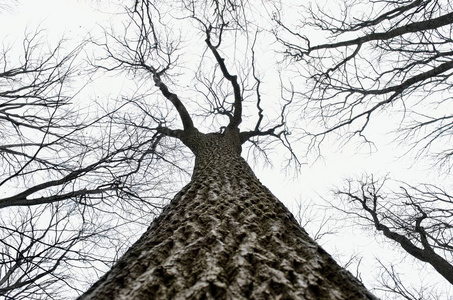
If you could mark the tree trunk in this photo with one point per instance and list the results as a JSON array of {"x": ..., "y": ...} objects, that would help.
[{"x": 225, "y": 236}]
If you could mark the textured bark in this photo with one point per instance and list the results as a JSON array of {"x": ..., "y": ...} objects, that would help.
[{"x": 225, "y": 236}]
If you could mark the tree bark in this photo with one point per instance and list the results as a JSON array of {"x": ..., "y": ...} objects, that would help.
[{"x": 225, "y": 236}]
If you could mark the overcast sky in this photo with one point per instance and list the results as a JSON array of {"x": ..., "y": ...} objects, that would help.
[{"x": 72, "y": 18}]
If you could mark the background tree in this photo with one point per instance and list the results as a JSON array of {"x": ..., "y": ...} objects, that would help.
[
  {"x": 7, "y": 5},
  {"x": 63, "y": 164},
  {"x": 416, "y": 218},
  {"x": 370, "y": 60}
]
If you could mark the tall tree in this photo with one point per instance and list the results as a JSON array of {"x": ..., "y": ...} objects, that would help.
[
  {"x": 224, "y": 235},
  {"x": 368, "y": 59}
]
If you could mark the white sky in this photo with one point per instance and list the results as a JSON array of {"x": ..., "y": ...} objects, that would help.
[
  {"x": 73, "y": 18},
  {"x": 55, "y": 15}
]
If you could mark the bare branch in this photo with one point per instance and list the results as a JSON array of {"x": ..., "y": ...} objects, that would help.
[
  {"x": 237, "y": 114},
  {"x": 404, "y": 226}
]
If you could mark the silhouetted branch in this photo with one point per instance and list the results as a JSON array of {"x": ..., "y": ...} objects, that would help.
[
  {"x": 236, "y": 119},
  {"x": 394, "y": 53},
  {"x": 418, "y": 219}
]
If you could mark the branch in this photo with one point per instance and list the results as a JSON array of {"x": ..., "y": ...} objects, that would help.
[
  {"x": 174, "y": 99},
  {"x": 382, "y": 36},
  {"x": 385, "y": 16},
  {"x": 369, "y": 203},
  {"x": 258, "y": 85},
  {"x": 237, "y": 114},
  {"x": 19, "y": 200}
]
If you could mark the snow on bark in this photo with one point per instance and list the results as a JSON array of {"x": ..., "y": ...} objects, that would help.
[{"x": 225, "y": 236}]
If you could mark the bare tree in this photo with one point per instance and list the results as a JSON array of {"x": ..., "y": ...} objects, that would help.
[
  {"x": 37, "y": 246},
  {"x": 394, "y": 287},
  {"x": 364, "y": 59},
  {"x": 63, "y": 169},
  {"x": 417, "y": 218},
  {"x": 391, "y": 55},
  {"x": 224, "y": 235},
  {"x": 316, "y": 220}
]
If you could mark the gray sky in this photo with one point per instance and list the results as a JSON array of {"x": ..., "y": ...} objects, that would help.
[{"x": 73, "y": 18}]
